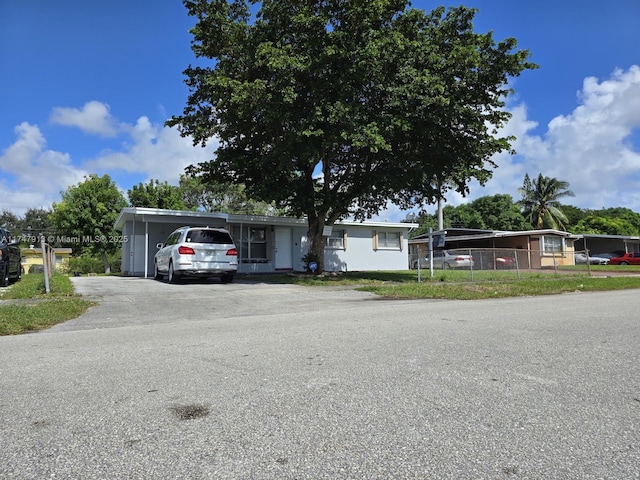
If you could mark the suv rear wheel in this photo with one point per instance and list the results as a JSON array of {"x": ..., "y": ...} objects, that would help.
[
  {"x": 172, "y": 277},
  {"x": 227, "y": 278}
]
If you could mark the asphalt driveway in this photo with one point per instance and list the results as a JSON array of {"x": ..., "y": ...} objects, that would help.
[{"x": 247, "y": 381}]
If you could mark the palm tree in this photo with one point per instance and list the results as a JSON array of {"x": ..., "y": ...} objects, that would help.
[{"x": 540, "y": 203}]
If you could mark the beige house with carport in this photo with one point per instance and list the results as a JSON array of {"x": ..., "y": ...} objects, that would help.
[{"x": 537, "y": 249}]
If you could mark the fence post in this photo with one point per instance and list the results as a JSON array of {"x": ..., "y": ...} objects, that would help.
[{"x": 45, "y": 263}]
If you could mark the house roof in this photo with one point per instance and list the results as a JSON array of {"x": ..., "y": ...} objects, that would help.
[
  {"x": 617, "y": 237},
  {"x": 159, "y": 215},
  {"x": 470, "y": 234}
]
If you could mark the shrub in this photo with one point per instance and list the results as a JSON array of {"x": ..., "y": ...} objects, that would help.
[{"x": 309, "y": 258}]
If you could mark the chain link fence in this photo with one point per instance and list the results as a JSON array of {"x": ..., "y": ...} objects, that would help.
[{"x": 510, "y": 261}]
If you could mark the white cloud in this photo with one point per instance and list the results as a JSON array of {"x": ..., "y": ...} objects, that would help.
[
  {"x": 155, "y": 151},
  {"x": 34, "y": 176},
  {"x": 93, "y": 118},
  {"x": 592, "y": 148},
  {"x": 38, "y": 175}
]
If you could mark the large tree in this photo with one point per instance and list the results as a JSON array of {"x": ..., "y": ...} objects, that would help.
[
  {"x": 540, "y": 201},
  {"x": 594, "y": 224},
  {"x": 212, "y": 196},
  {"x": 499, "y": 212},
  {"x": 10, "y": 221},
  {"x": 492, "y": 212},
  {"x": 86, "y": 214},
  {"x": 156, "y": 194},
  {"x": 334, "y": 108}
]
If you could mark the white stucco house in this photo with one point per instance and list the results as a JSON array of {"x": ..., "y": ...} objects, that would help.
[{"x": 266, "y": 244}]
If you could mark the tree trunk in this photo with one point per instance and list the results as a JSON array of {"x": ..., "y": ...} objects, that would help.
[
  {"x": 316, "y": 242},
  {"x": 105, "y": 263}
]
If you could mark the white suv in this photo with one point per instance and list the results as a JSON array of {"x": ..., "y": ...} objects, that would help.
[{"x": 197, "y": 252}]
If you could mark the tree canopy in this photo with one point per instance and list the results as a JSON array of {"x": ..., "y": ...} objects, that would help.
[
  {"x": 494, "y": 212},
  {"x": 333, "y": 109},
  {"x": 213, "y": 196},
  {"x": 34, "y": 222},
  {"x": 156, "y": 194},
  {"x": 86, "y": 215}
]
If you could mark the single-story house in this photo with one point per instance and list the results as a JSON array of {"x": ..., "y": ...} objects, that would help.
[
  {"x": 265, "y": 243},
  {"x": 33, "y": 256},
  {"x": 540, "y": 248}
]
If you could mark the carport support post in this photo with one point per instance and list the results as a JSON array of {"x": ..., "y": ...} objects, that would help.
[
  {"x": 431, "y": 252},
  {"x": 146, "y": 248}
]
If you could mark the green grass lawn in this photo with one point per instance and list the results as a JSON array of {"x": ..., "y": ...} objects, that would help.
[
  {"x": 459, "y": 284},
  {"x": 29, "y": 308}
]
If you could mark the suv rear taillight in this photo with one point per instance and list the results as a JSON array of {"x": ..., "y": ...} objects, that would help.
[
  {"x": 182, "y": 250},
  {"x": 232, "y": 252}
]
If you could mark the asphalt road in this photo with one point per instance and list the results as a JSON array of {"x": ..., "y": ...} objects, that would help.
[{"x": 247, "y": 381}]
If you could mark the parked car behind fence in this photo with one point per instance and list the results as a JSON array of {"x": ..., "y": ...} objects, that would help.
[
  {"x": 631, "y": 258},
  {"x": 507, "y": 259},
  {"x": 583, "y": 258}
]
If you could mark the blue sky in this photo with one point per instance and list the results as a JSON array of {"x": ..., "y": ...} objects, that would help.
[{"x": 87, "y": 86}]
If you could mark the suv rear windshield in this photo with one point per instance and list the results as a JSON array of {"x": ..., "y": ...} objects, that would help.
[{"x": 208, "y": 236}]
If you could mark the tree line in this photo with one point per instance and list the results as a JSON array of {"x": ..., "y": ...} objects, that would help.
[
  {"x": 83, "y": 218},
  {"x": 90, "y": 208},
  {"x": 539, "y": 207}
]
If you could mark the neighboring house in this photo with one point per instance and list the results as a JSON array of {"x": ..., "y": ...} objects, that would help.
[
  {"x": 542, "y": 248},
  {"x": 33, "y": 256},
  {"x": 607, "y": 243},
  {"x": 266, "y": 244}
]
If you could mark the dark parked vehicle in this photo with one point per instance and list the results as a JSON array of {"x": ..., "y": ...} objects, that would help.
[{"x": 10, "y": 260}]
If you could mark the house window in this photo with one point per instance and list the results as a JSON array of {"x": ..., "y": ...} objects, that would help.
[
  {"x": 337, "y": 240},
  {"x": 387, "y": 240},
  {"x": 253, "y": 244},
  {"x": 552, "y": 245}
]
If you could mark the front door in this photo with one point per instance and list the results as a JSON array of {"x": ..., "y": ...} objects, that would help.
[{"x": 284, "y": 250}]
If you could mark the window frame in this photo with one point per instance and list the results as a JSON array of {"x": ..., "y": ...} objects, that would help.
[
  {"x": 377, "y": 243},
  {"x": 340, "y": 236},
  {"x": 552, "y": 252},
  {"x": 245, "y": 244}
]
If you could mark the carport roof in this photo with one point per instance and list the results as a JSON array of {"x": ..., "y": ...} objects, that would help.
[
  {"x": 159, "y": 215},
  {"x": 468, "y": 234}
]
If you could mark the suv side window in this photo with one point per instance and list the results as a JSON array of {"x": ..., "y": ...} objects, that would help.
[{"x": 173, "y": 238}]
